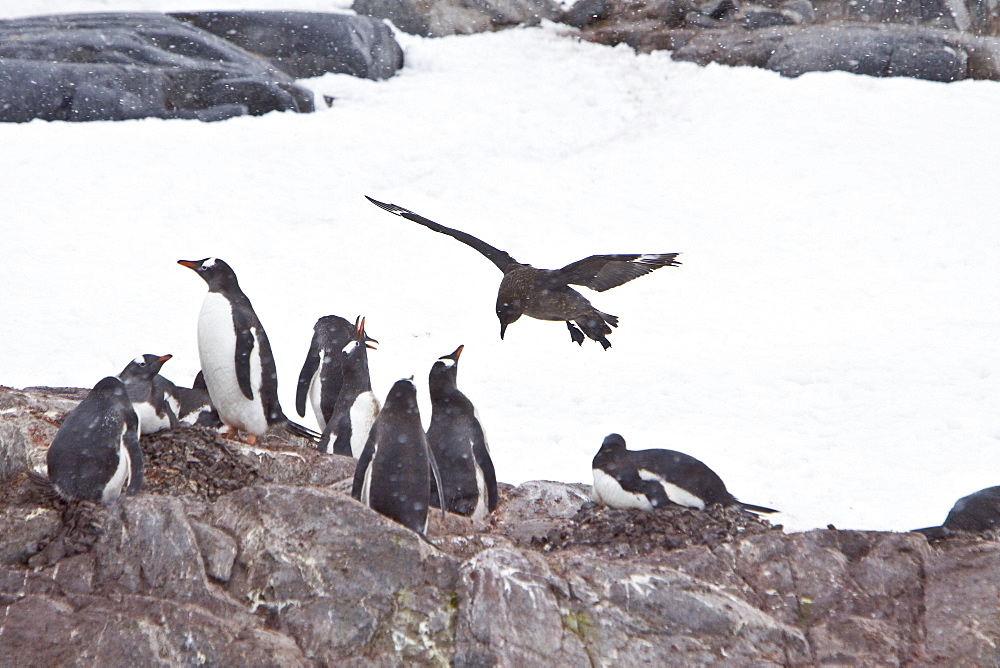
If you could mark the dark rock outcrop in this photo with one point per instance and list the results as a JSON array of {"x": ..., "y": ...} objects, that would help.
[
  {"x": 308, "y": 44},
  {"x": 437, "y": 18},
  {"x": 878, "y": 50},
  {"x": 84, "y": 67},
  {"x": 939, "y": 40},
  {"x": 266, "y": 563}
]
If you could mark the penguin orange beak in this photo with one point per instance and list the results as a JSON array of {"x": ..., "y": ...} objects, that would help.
[
  {"x": 190, "y": 264},
  {"x": 369, "y": 341},
  {"x": 458, "y": 352},
  {"x": 164, "y": 358}
]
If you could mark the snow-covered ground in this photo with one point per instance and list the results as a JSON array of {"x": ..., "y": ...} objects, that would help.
[{"x": 829, "y": 346}]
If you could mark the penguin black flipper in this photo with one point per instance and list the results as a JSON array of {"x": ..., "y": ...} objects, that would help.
[
  {"x": 167, "y": 389},
  {"x": 244, "y": 346},
  {"x": 630, "y": 481},
  {"x": 436, "y": 479},
  {"x": 131, "y": 439},
  {"x": 309, "y": 368},
  {"x": 485, "y": 462},
  {"x": 342, "y": 444},
  {"x": 498, "y": 257},
  {"x": 603, "y": 272},
  {"x": 361, "y": 470}
]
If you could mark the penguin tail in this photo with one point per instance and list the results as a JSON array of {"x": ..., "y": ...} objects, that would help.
[
  {"x": 934, "y": 533},
  {"x": 296, "y": 429},
  {"x": 41, "y": 484},
  {"x": 757, "y": 509}
]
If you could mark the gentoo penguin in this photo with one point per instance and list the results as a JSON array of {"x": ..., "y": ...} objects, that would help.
[
  {"x": 95, "y": 455},
  {"x": 974, "y": 513},
  {"x": 457, "y": 439},
  {"x": 356, "y": 406},
  {"x": 149, "y": 392},
  {"x": 545, "y": 293},
  {"x": 192, "y": 404},
  {"x": 393, "y": 475},
  {"x": 323, "y": 370},
  {"x": 236, "y": 356},
  {"x": 648, "y": 479}
]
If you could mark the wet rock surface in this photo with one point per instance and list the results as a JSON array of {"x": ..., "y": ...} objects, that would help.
[
  {"x": 438, "y": 18},
  {"x": 82, "y": 67},
  {"x": 947, "y": 40},
  {"x": 308, "y": 44},
  {"x": 254, "y": 556},
  {"x": 196, "y": 65}
]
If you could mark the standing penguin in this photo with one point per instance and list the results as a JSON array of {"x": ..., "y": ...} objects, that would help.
[
  {"x": 648, "y": 479},
  {"x": 394, "y": 471},
  {"x": 150, "y": 393},
  {"x": 356, "y": 406},
  {"x": 323, "y": 370},
  {"x": 236, "y": 356},
  {"x": 95, "y": 455},
  {"x": 457, "y": 439}
]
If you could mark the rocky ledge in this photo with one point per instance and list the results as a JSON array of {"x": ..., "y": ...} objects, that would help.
[
  {"x": 940, "y": 40},
  {"x": 258, "y": 556}
]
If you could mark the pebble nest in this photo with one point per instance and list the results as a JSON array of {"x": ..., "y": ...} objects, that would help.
[
  {"x": 194, "y": 461},
  {"x": 620, "y": 534}
]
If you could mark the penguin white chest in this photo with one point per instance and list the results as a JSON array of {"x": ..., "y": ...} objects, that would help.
[
  {"x": 364, "y": 410},
  {"x": 482, "y": 500},
  {"x": 316, "y": 390},
  {"x": 608, "y": 491},
  {"x": 122, "y": 474},
  {"x": 217, "y": 350},
  {"x": 678, "y": 495},
  {"x": 149, "y": 421}
]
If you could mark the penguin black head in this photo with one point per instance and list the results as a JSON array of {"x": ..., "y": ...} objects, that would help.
[
  {"x": 144, "y": 366},
  {"x": 219, "y": 275},
  {"x": 333, "y": 332},
  {"x": 508, "y": 311},
  {"x": 444, "y": 373},
  {"x": 402, "y": 397},
  {"x": 360, "y": 343},
  {"x": 110, "y": 386},
  {"x": 613, "y": 443}
]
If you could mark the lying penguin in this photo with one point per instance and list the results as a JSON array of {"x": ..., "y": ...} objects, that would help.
[
  {"x": 95, "y": 455},
  {"x": 193, "y": 405},
  {"x": 974, "y": 513},
  {"x": 648, "y": 479}
]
